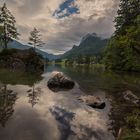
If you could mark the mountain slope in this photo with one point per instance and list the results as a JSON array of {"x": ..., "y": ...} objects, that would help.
[
  {"x": 17, "y": 45},
  {"x": 90, "y": 44}
]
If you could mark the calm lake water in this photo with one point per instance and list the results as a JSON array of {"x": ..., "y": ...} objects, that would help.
[{"x": 30, "y": 111}]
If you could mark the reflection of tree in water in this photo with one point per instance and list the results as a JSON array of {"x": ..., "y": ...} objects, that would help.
[
  {"x": 33, "y": 95},
  {"x": 7, "y": 101}
]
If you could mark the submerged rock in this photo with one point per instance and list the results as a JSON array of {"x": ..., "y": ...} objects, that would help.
[
  {"x": 93, "y": 101},
  {"x": 129, "y": 96},
  {"x": 60, "y": 82}
]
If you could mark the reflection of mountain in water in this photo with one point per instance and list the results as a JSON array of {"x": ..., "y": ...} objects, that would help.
[{"x": 7, "y": 101}]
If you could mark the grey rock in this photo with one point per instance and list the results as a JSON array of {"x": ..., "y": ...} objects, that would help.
[
  {"x": 92, "y": 101},
  {"x": 60, "y": 82}
]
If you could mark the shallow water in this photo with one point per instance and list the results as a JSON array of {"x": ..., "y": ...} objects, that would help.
[{"x": 30, "y": 111}]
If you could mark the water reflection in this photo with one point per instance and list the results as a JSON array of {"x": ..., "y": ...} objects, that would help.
[
  {"x": 8, "y": 96},
  {"x": 34, "y": 95},
  {"x": 39, "y": 113},
  {"x": 64, "y": 118},
  {"x": 7, "y": 101},
  {"x": 79, "y": 124},
  {"x": 95, "y": 78},
  {"x": 18, "y": 77},
  {"x": 120, "y": 110},
  {"x": 113, "y": 84}
]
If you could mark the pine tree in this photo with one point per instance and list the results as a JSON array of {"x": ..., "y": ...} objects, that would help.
[
  {"x": 35, "y": 38},
  {"x": 8, "y": 22},
  {"x": 123, "y": 50},
  {"x": 127, "y": 13},
  {"x": 1, "y": 37}
]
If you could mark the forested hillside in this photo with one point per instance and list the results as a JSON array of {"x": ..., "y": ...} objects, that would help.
[
  {"x": 123, "y": 51},
  {"x": 90, "y": 45}
]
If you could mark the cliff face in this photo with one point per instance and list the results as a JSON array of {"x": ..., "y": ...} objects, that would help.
[{"x": 91, "y": 45}]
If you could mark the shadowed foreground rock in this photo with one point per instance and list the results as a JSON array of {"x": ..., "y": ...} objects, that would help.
[
  {"x": 60, "y": 82},
  {"x": 92, "y": 101}
]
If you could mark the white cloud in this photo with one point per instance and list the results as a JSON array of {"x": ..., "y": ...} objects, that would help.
[{"x": 61, "y": 34}]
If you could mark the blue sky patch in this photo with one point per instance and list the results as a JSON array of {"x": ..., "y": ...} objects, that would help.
[{"x": 66, "y": 9}]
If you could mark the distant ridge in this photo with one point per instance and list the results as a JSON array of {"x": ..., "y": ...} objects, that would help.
[
  {"x": 91, "y": 44},
  {"x": 18, "y": 45}
]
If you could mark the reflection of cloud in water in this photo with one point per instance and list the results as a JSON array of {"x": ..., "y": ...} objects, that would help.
[
  {"x": 76, "y": 121},
  {"x": 64, "y": 118},
  {"x": 80, "y": 125},
  {"x": 29, "y": 126},
  {"x": 49, "y": 120}
]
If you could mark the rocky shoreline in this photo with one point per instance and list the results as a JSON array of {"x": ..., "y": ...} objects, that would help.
[{"x": 24, "y": 60}]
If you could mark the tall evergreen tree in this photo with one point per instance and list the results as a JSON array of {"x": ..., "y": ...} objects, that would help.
[
  {"x": 8, "y": 22},
  {"x": 123, "y": 50},
  {"x": 1, "y": 37},
  {"x": 127, "y": 13},
  {"x": 35, "y": 38}
]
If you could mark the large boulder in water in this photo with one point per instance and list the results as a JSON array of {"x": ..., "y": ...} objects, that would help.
[
  {"x": 60, "y": 82},
  {"x": 92, "y": 101}
]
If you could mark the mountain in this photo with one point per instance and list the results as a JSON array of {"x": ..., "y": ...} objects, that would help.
[
  {"x": 18, "y": 45},
  {"x": 91, "y": 44}
]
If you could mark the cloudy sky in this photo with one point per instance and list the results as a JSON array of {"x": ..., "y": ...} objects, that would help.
[{"x": 63, "y": 22}]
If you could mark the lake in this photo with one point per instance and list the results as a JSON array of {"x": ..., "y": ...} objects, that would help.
[{"x": 29, "y": 110}]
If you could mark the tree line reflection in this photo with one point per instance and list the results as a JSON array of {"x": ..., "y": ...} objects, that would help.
[
  {"x": 34, "y": 95},
  {"x": 8, "y": 99}
]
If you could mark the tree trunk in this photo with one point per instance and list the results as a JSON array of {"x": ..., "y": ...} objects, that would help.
[
  {"x": 5, "y": 37},
  {"x": 34, "y": 47}
]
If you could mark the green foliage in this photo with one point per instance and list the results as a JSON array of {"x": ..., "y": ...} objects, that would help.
[
  {"x": 8, "y": 29},
  {"x": 58, "y": 61},
  {"x": 33, "y": 61},
  {"x": 8, "y": 52},
  {"x": 87, "y": 60},
  {"x": 27, "y": 60},
  {"x": 123, "y": 51},
  {"x": 121, "y": 57},
  {"x": 132, "y": 130},
  {"x": 1, "y": 37},
  {"x": 91, "y": 46},
  {"x": 35, "y": 38},
  {"x": 84, "y": 60},
  {"x": 127, "y": 13}
]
